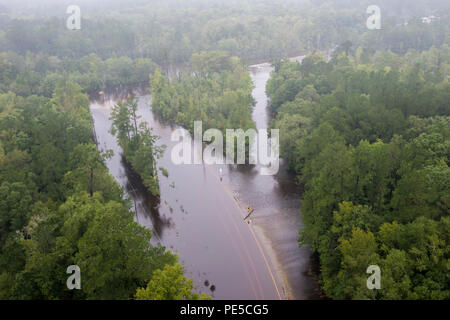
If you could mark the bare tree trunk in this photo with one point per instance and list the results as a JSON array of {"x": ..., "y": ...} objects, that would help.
[{"x": 91, "y": 189}]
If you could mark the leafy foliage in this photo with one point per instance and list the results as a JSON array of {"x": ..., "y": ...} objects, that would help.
[
  {"x": 59, "y": 206},
  {"x": 138, "y": 142},
  {"x": 370, "y": 142},
  {"x": 169, "y": 284},
  {"x": 216, "y": 93}
]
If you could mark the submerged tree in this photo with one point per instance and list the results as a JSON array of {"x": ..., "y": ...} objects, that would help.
[{"x": 137, "y": 141}]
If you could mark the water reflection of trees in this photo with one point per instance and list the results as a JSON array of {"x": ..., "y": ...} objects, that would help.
[
  {"x": 118, "y": 93},
  {"x": 146, "y": 203}
]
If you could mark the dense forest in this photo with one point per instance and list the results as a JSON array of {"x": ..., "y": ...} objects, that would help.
[
  {"x": 120, "y": 47},
  {"x": 59, "y": 206},
  {"x": 368, "y": 136},
  {"x": 215, "y": 90},
  {"x": 365, "y": 127}
]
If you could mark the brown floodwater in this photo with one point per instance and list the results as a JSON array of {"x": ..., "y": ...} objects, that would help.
[{"x": 201, "y": 218}]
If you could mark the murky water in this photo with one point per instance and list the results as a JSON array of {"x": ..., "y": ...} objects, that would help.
[{"x": 201, "y": 217}]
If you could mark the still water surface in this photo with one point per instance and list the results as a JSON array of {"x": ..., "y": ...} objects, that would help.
[{"x": 202, "y": 218}]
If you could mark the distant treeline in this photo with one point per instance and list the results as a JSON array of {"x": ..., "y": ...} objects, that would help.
[
  {"x": 169, "y": 32},
  {"x": 216, "y": 90},
  {"x": 39, "y": 73}
]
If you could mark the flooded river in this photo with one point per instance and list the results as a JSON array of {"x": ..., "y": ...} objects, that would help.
[{"x": 201, "y": 218}]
